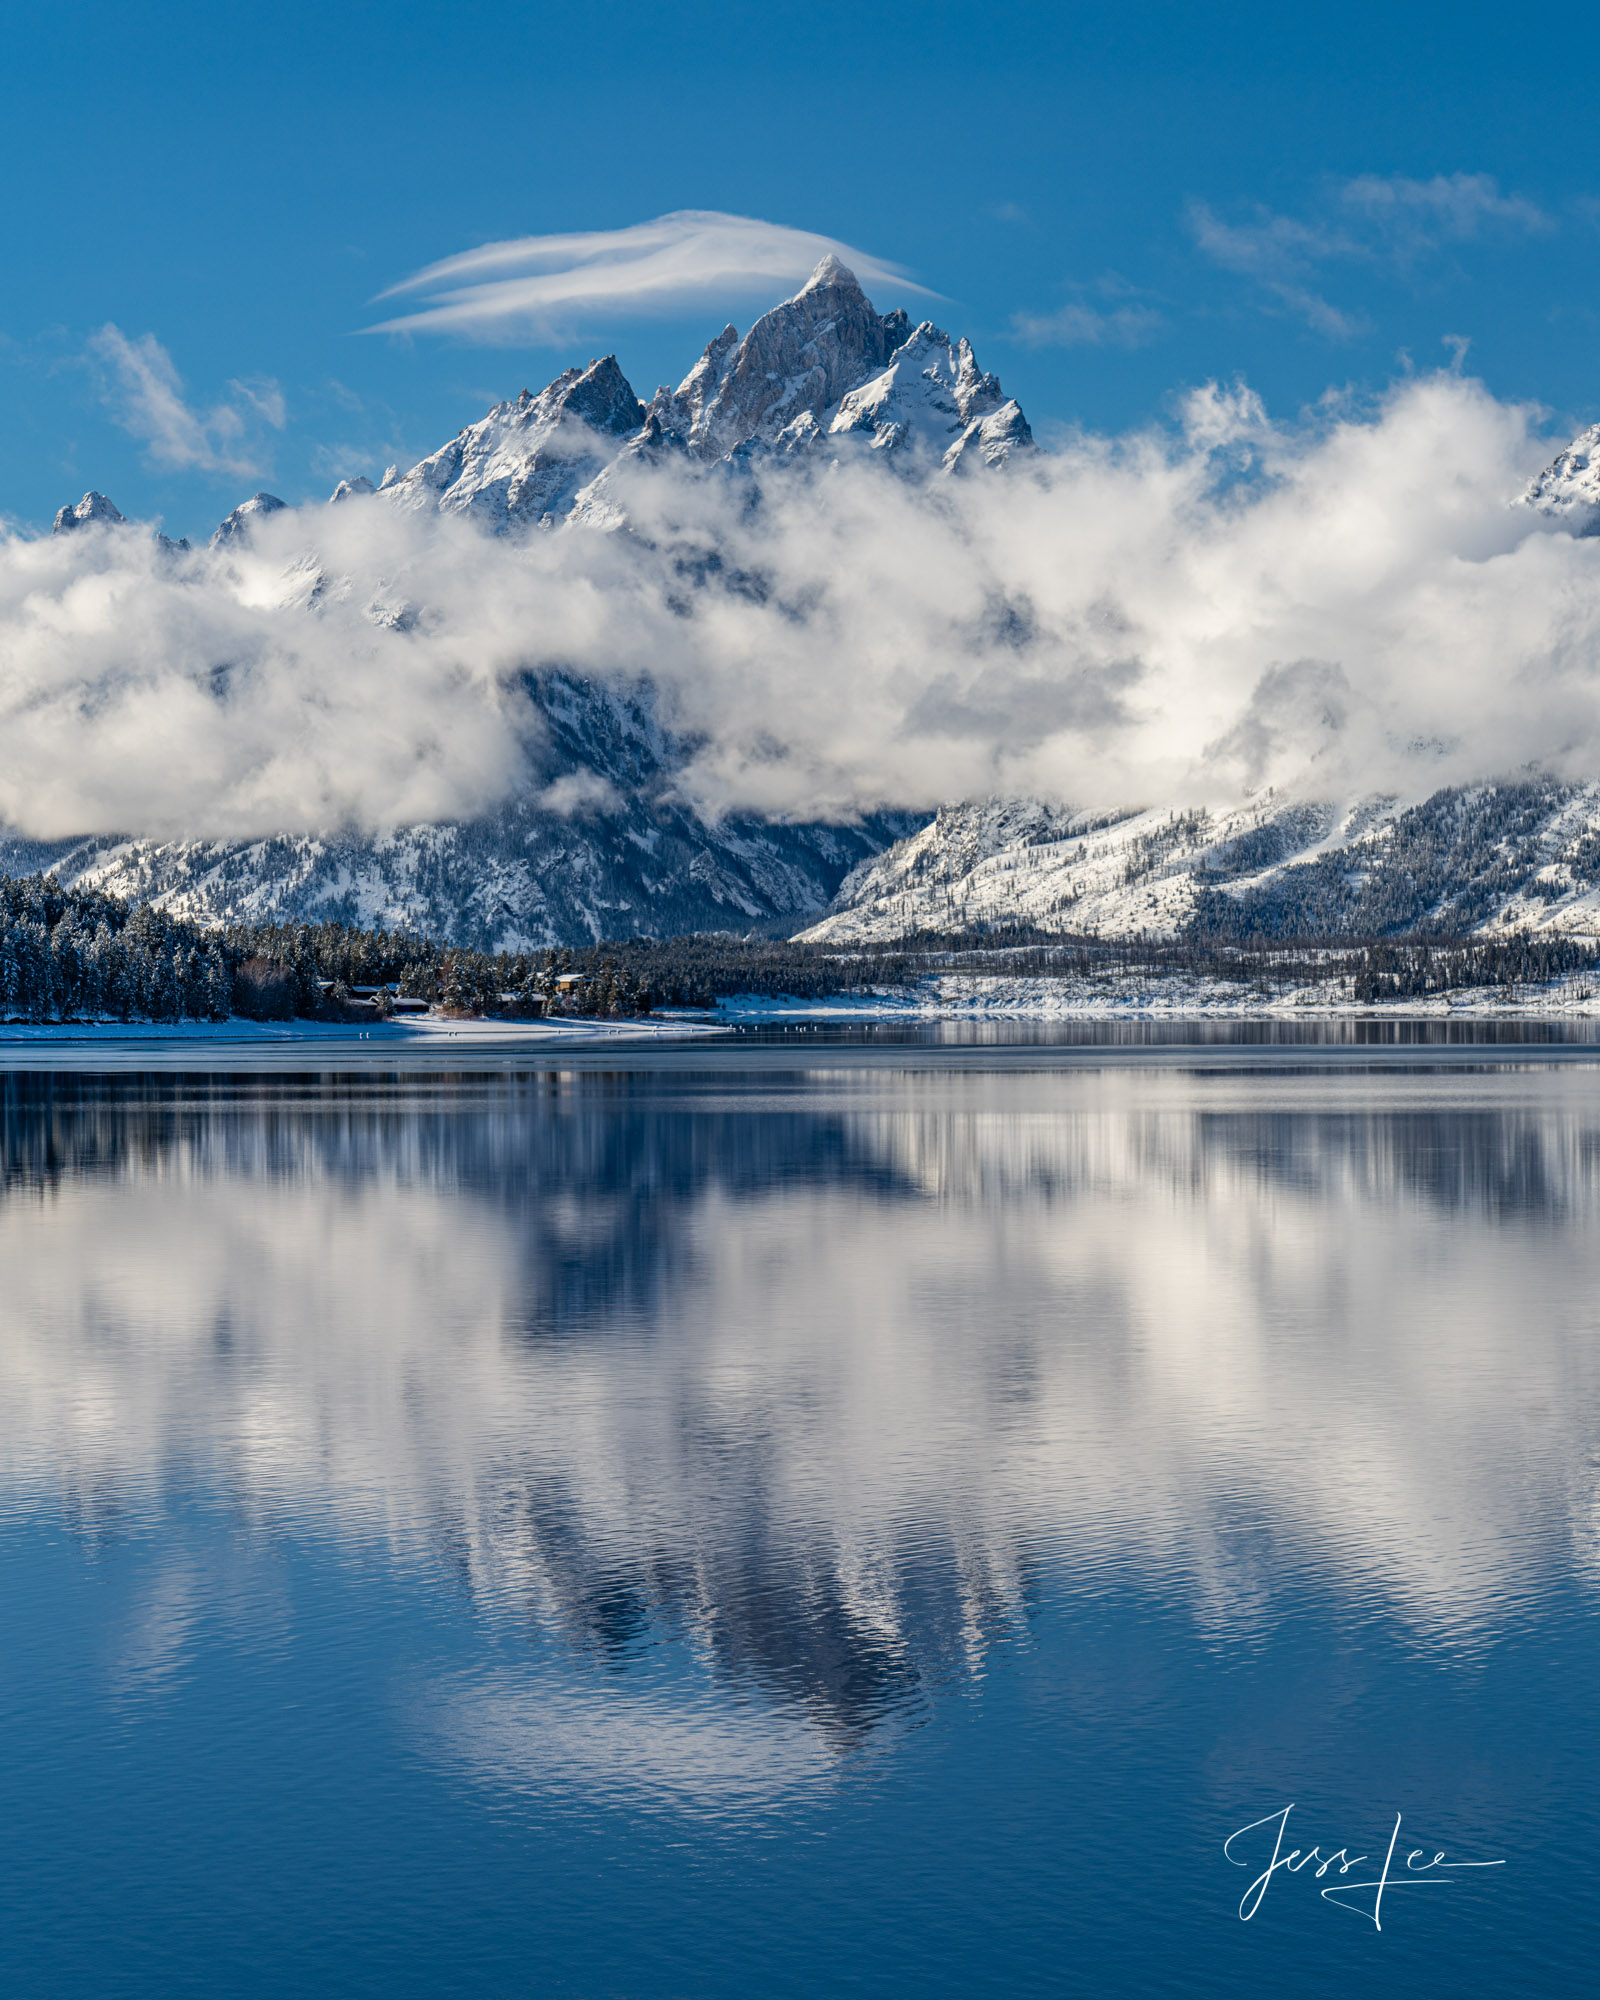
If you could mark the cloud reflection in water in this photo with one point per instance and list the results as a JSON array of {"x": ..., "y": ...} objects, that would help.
[{"x": 822, "y": 1388}]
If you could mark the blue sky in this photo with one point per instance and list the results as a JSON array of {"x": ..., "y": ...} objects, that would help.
[{"x": 1114, "y": 202}]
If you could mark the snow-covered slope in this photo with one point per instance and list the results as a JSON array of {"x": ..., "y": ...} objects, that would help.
[
  {"x": 1568, "y": 489},
  {"x": 601, "y": 848},
  {"x": 527, "y": 460},
  {"x": 933, "y": 396},
  {"x": 1480, "y": 858}
]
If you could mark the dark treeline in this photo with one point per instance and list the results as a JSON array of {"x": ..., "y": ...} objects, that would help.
[{"x": 74, "y": 954}]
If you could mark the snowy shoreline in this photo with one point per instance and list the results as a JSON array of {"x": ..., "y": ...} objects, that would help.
[
  {"x": 975, "y": 997},
  {"x": 941, "y": 997},
  {"x": 411, "y": 1034}
]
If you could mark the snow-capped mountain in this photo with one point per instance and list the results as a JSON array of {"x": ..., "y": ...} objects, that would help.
[
  {"x": 1494, "y": 857},
  {"x": 1523, "y": 854},
  {"x": 238, "y": 524},
  {"x": 91, "y": 508},
  {"x": 933, "y": 395},
  {"x": 603, "y": 845},
  {"x": 528, "y": 460},
  {"x": 823, "y": 370},
  {"x": 1568, "y": 490}
]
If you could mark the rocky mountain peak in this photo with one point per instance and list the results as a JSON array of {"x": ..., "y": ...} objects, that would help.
[
  {"x": 239, "y": 523},
  {"x": 603, "y": 397},
  {"x": 1568, "y": 490},
  {"x": 822, "y": 369},
  {"x": 829, "y": 271},
  {"x": 528, "y": 459},
  {"x": 801, "y": 356},
  {"x": 92, "y": 507}
]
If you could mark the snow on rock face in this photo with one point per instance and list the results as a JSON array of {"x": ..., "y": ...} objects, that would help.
[
  {"x": 600, "y": 843},
  {"x": 239, "y": 523},
  {"x": 932, "y": 396},
  {"x": 992, "y": 440},
  {"x": 802, "y": 356},
  {"x": 821, "y": 368},
  {"x": 599, "y": 846},
  {"x": 1469, "y": 859},
  {"x": 92, "y": 507},
  {"x": 351, "y": 489},
  {"x": 527, "y": 460},
  {"x": 1569, "y": 487}
]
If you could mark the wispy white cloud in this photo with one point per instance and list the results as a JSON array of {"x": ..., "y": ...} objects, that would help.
[
  {"x": 1393, "y": 222},
  {"x": 144, "y": 392},
  {"x": 1078, "y": 325},
  {"x": 535, "y": 284},
  {"x": 1413, "y": 217},
  {"x": 1278, "y": 253}
]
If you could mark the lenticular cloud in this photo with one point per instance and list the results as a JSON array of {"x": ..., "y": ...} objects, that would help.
[
  {"x": 1350, "y": 603},
  {"x": 502, "y": 291}
]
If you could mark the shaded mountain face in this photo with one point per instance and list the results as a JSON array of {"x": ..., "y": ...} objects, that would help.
[{"x": 603, "y": 848}]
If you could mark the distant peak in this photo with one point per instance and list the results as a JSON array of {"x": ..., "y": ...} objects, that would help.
[
  {"x": 92, "y": 507},
  {"x": 351, "y": 489},
  {"x": 237, "y": 525}
]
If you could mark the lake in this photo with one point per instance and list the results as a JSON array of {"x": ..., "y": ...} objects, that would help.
[{"x": 926, "y": 1516}]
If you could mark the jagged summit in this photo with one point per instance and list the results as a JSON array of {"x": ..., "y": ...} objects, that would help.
[
  {"x": 92, "y": 507},
  {"x": 933, "y": 395},
  {"x": 823, "y": 370},
  {"x": 237, "y": 527},
  {"x": 829, "y": 271},
  {"x": 1568, "y": 489},
  {"x": 351, "y": 489},
  {"x": 799, "y": 358},
  {"x": 529, "y": 458}
]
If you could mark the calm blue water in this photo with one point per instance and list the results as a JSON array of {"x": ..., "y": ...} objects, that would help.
[{"x": 755, "y": 1530}]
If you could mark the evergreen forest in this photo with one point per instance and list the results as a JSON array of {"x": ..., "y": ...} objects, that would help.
[{"x": 74, "y": 954}]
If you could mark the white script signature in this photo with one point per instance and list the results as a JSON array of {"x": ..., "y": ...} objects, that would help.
[{"x": 1419, "y": 1870}]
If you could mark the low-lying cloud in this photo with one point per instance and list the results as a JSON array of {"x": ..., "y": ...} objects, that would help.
[{"x": 1344, "y": 604}]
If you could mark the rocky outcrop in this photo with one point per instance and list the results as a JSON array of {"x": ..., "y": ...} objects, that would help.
[
  {"x": 92, "y": 508},
  {"x": 527, "y": 460}
]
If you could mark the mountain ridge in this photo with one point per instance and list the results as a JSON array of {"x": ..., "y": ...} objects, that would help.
[{"x": 602, "y": 843}]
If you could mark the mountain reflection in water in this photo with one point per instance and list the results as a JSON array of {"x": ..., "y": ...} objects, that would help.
[{"x": 818, "y": 1386}]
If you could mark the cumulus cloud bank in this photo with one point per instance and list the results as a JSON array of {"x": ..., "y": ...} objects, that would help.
[
  {"x": 534, "y": 284},
  {"x": 1342, "y": 604}
]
